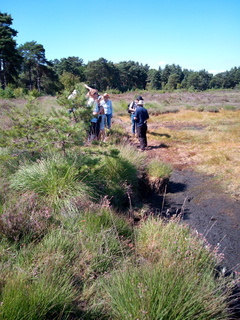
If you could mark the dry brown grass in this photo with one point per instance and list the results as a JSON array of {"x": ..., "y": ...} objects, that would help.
[
  {"x": 46, "y": 103},
  {"x": 210, "y": 141}
]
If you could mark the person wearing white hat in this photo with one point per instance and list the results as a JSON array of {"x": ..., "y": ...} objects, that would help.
[
  {"x": 131, "y": 109},
  {"x": 141, "y": 117}
]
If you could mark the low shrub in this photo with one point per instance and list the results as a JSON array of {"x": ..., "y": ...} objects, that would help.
[
  {"x": 26, "y": 219},
  {"x": 7, "y": 93},
  {"x": 230, "y": 108}
]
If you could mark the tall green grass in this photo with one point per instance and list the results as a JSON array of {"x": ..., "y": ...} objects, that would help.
[
  {"x": 172, "y": 278},
  {"x": 54, "y": 179},
  {"x": 44, "y": 280},
  {"x": 155, "y": 292},
  {"x": 47, "y": 297}
]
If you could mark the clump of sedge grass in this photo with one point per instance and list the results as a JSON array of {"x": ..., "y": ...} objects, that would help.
[
  {"x": 55, "y": 179},
  {"x": 158, "y": 174},
  {"x": 45, "y": 297},
  {"x": 173, "y": 279}
]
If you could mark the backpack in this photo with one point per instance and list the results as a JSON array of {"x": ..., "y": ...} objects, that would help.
[{"x": 131, "y": 103}]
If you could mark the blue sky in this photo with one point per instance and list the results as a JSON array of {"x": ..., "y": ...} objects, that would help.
[{"x": 197, "y": 35}]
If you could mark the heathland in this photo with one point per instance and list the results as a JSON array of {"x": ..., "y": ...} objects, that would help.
[{"x": 99, "y": 230}]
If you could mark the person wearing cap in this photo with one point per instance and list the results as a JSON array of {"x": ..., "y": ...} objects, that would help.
[
  {"x": 106, "y": 103},
  {"x": 141, "y": 117},
  {"x": 132, "y": 109}
]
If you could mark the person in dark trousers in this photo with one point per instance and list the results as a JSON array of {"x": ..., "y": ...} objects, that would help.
[
  {"x": 132, "y": 108},
  {"x": 141, "y": 117}
]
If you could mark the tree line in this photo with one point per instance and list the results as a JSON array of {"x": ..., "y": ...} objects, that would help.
[{"x": 26, "y": 66}]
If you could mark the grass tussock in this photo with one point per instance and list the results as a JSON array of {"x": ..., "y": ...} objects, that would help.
[
  {"x": 54, "y": 179},
  {"x": 158, "y": 174},
  {"x": 173, "y": 277}
]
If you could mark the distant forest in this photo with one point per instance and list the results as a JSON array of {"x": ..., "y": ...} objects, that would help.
[{"x": 25, "y": 67}]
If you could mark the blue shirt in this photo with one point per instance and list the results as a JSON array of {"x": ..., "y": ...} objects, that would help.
[
  {"x": 141, "y": 116},
  {"x": 107, "y": 105}
]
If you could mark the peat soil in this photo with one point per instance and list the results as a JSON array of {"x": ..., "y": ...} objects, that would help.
[{"x": 202, "y": 205}]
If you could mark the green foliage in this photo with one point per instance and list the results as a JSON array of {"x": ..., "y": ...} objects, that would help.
[
  {"x": 83, "y": 249},
  {"x": 170, "y": 274},
  {"x": 35, "y": 65},
  {"x": 101, "y": 241},
  {"x": 174, "y": 279},
  {"x": 230, "y": 108},
  {"x": 77, "y": 106},
  {"x": 133, "y": 75},
  {"x": 34, "y": 93},
  {"x": 20, "y": 92},
  {"x": 55, "y": 179},
  {"x": 158, "y": 169},
  {"x": 117, "y": 176},
  {"x": 116, "y": 134},
  {"x": 24, "y": 133},
  {"x": 69, "y": 66},
  {"x": 102, "y": 74},
  {"x": 149, "y": 292},
  {"x": 32, "y": 130},
  {"x": 69, "y": 81},
  {"x": 155, "y": 79},
  {"x": 120, "y": 107},
  {"x": 129, "y": 153},
  {"x": 7, "y": 93},
  {"x": 10, "y": 59},
  {"x": 45, "y": 297},
  {"x": 66, "y": 254}
]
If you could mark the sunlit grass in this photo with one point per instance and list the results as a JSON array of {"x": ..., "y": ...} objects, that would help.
[
  {"x": 211, "y": 140},
  {"x": 55, "y": 179},
  {"x": 173, "y": 279}
]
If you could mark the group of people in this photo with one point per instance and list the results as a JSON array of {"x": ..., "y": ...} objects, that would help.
[{"x": 102, "y": 111}]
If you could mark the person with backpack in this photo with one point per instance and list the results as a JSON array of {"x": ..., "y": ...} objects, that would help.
[
  {"x": 131, "y": 109},
  {"x": 141, "y": 116}
]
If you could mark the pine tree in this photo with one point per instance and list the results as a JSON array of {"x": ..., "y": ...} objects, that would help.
[{"x": 10, "y": 60}]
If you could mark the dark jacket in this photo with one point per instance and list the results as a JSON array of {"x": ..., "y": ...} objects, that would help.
[{"x": 141, "y": 116}]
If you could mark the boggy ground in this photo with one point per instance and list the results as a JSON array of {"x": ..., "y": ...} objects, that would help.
[
  {"x": 198, "y": 198},
  {"x": 202, "y": 203}
]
